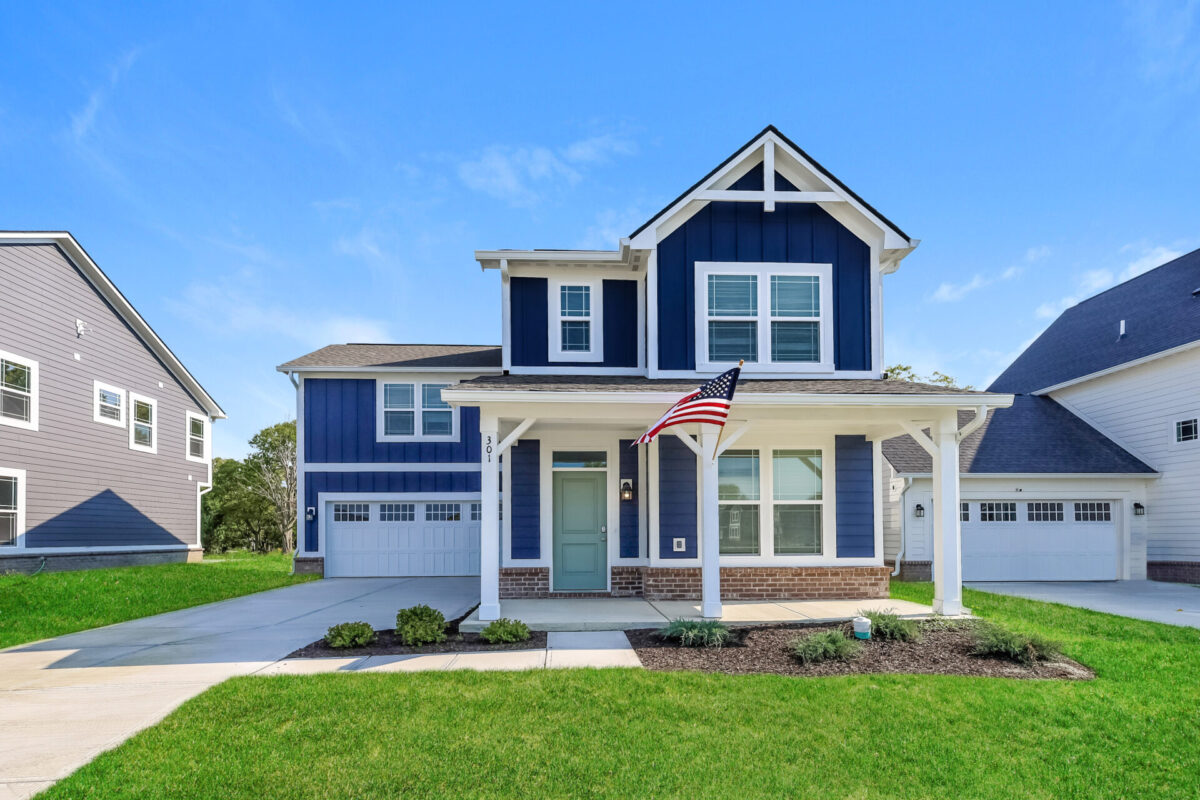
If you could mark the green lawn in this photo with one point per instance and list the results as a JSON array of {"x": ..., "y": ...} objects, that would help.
[
  {"x": 50, "y": 604},
  {"x": 1133, "y": 732}
]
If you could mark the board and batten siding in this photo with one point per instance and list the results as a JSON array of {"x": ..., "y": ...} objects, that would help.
[
  {"x": 854, "y": 467},
  {"x": 84, "y": 486},
  {"x": 529, "y": 318},
  {"x": 1137, "y": 407}
]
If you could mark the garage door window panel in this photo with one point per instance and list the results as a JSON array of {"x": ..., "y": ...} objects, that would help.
[
  {"x": 1093, "y": 512},
  {"x": 397, "y": 512},
  {"x": 351, "y": 512},
  {"x": 997, "y": 512},
  {"x": 1044, "y": 512},
  {"x": 443, "y": 512}
]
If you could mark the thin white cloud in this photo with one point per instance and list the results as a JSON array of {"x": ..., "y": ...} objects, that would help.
[
  {"x": 953, "y": 292},
  {"x": 316, "y": 125},
  {"x": 1165, "y": 33},
  {"x": 520, "y": 175},
  {"x": 83, "y": 121},
  {"x": 610, "y": 227},
  {"x": 1145, "y": 257}
]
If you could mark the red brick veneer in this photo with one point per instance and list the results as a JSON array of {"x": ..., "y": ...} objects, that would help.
[
  {"x": 770, "y": 583},
  {"x": 1173, "y": 571},
  {"x": 524, "y": 582}
]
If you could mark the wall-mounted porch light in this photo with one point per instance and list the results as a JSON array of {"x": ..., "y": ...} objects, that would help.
[
  {"x": 626, "y": 489},
  {"x": 918, "y": 511},
  {"x": 1139, "y": 510}
]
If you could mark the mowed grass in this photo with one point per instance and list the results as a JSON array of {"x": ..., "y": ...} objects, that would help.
[
  {"x": 50, "y": 604},
  {"x": 1133, "y": 732}
]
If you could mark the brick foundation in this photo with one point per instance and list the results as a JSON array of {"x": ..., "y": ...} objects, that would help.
[
  {"x": 1173, "y": 571},
  {"x": 914, "y": 570},
  {"x": 309, "y": 566},
  {"x": 770, "y": 583},
  {"x": 70, "y": 562},
  {"x": 524, "y": 582},
  {"x": 628, "y": 581}
]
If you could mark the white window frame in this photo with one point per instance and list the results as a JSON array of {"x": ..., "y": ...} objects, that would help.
[
  {"x": 155, "y": 426},
  {"x": 187, "y": 437},
  {"x": 418, "y": 411},
  {"x": 554, "y": 318},
  {"x": 764, "y": 271},
  {"x": 32, "y": 423},
  {"x": 1174, "y": 432},
  {"x": 97, "y": 386},
  {"x": 19, "y": 474}
]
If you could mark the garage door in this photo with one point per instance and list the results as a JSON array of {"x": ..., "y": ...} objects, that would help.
[
  {"x": 372, "y": 539},
  {"x": 1044, "y": 540}
]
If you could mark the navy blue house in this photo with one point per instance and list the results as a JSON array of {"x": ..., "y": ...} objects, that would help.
[{"x": 515, "y": 462}]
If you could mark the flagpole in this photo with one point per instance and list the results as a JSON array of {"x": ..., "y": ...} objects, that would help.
[{"x": 721, "y": 432}]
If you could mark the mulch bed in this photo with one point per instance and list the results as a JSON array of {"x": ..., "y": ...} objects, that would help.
[
  {"x": 943, "y": 649},
  {"x": 388, "y": 644}
]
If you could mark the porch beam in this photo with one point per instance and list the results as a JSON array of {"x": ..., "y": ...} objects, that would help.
[
  {"x": 920, "y": 436},
  {"x": 756, "y": 196},
  {"x": 732, "y": 438},
  {"x": 688, "y": 440},
  {"x": 489, "y": 523},
  {"x": 710, "y": 545},
  {"x": 516, "y": 434}
]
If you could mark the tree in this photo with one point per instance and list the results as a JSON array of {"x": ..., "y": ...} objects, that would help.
[
  {"x": 270, "y": 474},
  {"x": 231, "y": 516},
  {"x": 904, "y": 372}
]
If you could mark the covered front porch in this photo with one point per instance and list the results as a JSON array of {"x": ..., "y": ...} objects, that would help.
[{"x": 783, "y": 506}]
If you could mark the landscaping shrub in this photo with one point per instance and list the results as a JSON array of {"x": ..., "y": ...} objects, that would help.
[
  {"x": 505, "y": 631},
  {"x": 825, "y": 646},
  {"x": 697, "y": 632},
  {"x": 995, "y": 640},
  {"x": 350, "y": 634},
  {"x": 887, "y": 625},
  {"x": 420, "y": 625}
]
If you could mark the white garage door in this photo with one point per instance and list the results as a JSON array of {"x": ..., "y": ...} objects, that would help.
[
  {"x": 1044, "y": 540},
  {"x": 371, "y": 539}
]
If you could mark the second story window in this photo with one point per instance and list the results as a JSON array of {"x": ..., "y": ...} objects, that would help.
[
  {"x": 143, "y": 424},
  {"x": 415, "y": 412},
  {"x": 1187, "y": 430},
  {"x": 575, "y": 330},
  {"x": 108, "y": 404},
  {"x": 18, "y": 391},
  {"x": 197, "y": 437}
]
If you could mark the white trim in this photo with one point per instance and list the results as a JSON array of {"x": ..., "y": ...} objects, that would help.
[
  {"x": 366, "y": 466},
  {"x": 301, "y": 477},
  {"x": 1031, "y": 475},
  {"x": 32, "y": 423},
  {"x": 595, "y": 320},
  {"x": 651, "y": 337},
  {"x": 1125, "y": 365},
  {"x": 325, "y": 498},
  {"x": 519, "y": 370},
  {"x": 418, "y": 412},
  {"x": 155, "y": 425},
  {"x": 190, "y": 415},
  {"x": 472, "y": 396},
  {"x": 123, "y": 408},
  {"x": 83, "y": 551},
  {"x": 19, "y": 546},
  {"x": 505, "y": 317},
  {"x": 764, "y": 270},
  {"x": 340, "y": 371}
]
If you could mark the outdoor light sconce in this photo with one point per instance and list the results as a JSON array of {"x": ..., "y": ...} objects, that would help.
[
  {"x": 310, "y": 514},
  {"x": 918, "y": 511},
  {"x": 1139, "y": 510},
  {"x": 626, "y": 489}
]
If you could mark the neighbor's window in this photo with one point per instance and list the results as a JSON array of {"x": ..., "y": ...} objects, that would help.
[
  {"x": 143, "y": 424},
  {"x": 9, "y": 486},
  {"x": 1093, "y": 512},
  {"x": 351, "y": 512},
  {"x": 416, "y": 410},
  {"x": 738, "y": 502},
  {"x": 18, "y": 389},
  {"x": 1187, "y": 430},
  {"x": 1044, "y": 512},
  {"x": 443, "y": 512},
  {"x": 197, "y": 437},
  {"x": 997, "y": 512},
  {"x": 397, "y": 512},
  {"x": 108, "y": 404},
  {"x": 796, "y": 495}
]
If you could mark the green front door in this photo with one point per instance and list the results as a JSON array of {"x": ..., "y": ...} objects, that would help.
[{"x": 580, "y": 536}]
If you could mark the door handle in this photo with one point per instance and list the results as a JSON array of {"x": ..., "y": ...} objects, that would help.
[{"x": 604, "y": 533}]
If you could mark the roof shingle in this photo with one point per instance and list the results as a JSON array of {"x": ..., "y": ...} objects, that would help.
[{"x": 407, "y": 356}]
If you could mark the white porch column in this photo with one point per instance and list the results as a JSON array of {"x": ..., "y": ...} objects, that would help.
[
  {"x": 489, "y": 523},
  {"x": 947, "y": 528},
  {"x": 710, "y": 544}
]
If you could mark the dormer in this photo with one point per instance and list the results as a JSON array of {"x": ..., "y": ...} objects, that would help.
[{"x": 768, "y": 259}]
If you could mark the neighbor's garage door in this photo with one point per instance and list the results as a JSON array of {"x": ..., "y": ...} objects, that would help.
[
  {"x": 370, "y": 539},
  {"x": 1045, "y": 540}
]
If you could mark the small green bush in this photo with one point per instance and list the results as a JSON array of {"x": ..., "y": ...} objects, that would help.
[
  {"x": 420, "y": 625},
  {"x": 995, "y": 640},
  {"x": 697, "y": 632},
  {"x": 505, "y": 631},
  {"x": 350, "y": 634},
  {"x": 887, "y": 625},
  {"x": 825, "y": 646}
]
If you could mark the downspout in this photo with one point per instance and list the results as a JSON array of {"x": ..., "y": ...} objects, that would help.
[{"x": 903, "y": 522}]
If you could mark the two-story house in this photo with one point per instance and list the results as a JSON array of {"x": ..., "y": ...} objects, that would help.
[
  {"x": 516, "y": 462},
  {"x": 105, "y": 437}
]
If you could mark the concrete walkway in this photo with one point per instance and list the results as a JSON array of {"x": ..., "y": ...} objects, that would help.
[
  {"x": 63, "y": 701},
  {"x": 1172, "y": 603}
]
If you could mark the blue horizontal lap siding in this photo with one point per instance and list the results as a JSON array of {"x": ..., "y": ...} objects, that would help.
[
  {"x": 529, "y": 322},
  {"x": 525, "y": 505},
  {"x": 368, "y": 483},
  {"x": 792, "y": 233},
  {"x": 855, "y": 497},
  {"x": 676, "y": 498},
  {"x": 339, "y": 428},
  {"x": 630, "y": 535}
]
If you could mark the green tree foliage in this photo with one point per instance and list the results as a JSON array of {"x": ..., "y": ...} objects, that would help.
[
  {"x": 904, "y": 372},
  {"x": 252, "y": 504}
]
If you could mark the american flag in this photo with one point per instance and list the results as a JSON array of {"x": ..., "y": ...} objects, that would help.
[{"x": 709, "y": 403}]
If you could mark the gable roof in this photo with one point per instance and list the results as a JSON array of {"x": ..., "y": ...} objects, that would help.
[
  {"x": 817, "y": 166},
  {"x": 1034, "y": 435},
  {"x": 92, "y": 273},
  {"x": 468, "y": 357},
  {"x": 1161, "y": 310}
]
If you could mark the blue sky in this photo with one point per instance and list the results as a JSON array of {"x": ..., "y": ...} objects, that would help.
[{"x": 261, "y": 180}]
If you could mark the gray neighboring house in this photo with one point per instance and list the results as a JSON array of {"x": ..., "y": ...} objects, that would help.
[{"x": 105, "y": 437}]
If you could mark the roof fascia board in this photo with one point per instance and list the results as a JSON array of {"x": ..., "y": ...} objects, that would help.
[
  {"x": 466, "y": 395},
  {"x": 1148, "y": 476},
  {"x": 1137, "y": 362},
  {"x": 477, "y": 371}
]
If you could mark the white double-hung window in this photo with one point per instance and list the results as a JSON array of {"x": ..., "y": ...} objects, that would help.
[
  {"x": 12, "y": 507},
  {"x": 414, "y": 412},
  {"x": 108, "y": 404},
  {"x": 775, "y": 317},
  {"x": 18, "y": 391},
  {"x": 197, "y": 434},
  {"x": 143, "y": 423},
  {"x": 576, "y": 329}
]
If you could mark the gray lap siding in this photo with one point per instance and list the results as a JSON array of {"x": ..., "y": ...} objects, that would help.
[{"x": 84, "y": 486}]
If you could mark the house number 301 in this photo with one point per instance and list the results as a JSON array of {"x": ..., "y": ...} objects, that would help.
[{"x": 488, "y": 448}]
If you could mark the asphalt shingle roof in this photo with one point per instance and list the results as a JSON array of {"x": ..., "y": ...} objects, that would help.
[
  {"x": 1160, "y": 312},
  {"x": 1035, "y": 435},
  {"x": 620, "y": 383},
  {"x": 410, "y": 356}
]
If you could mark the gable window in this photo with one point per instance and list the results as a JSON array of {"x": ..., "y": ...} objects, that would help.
[
  {"x": 12, "y": 507},
  {"x": 773, "y": 316},
  {"x": 143, "y": 424},
  {"x": 1187, "y": 430},
  {"x": 197, "y": 437},
  {"x": 108, "y": 404},
  {"x": 575, "y": 331},
  {"x": 18, "y": 391},
  {"x": 415, "y": 412}
]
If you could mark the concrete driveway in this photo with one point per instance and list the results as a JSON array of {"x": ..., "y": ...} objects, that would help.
[
  {"x": 1172, "y": 603},
  {"x": 63, "y": 701}
]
